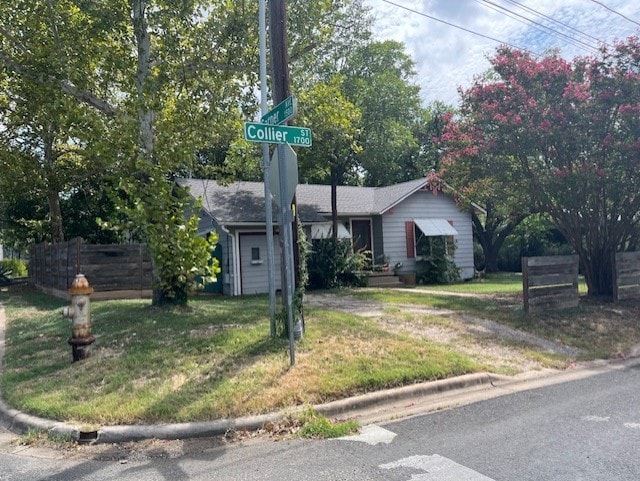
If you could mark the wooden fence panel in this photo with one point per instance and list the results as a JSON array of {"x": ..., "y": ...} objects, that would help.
[
  {"x": 550, "y": 283},
  {"x": 108, "y": 268},
  {"x": 626, "y": 276}
]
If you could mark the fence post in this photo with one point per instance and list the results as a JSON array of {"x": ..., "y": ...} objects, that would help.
[
  {"x": 525, "y": 284},
  {"x": 614, "y": 276}
]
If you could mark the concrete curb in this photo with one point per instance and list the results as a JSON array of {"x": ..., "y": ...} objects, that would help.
[
  {"x": 424, "y": 397},
  {"x": 379, "y": 398}
]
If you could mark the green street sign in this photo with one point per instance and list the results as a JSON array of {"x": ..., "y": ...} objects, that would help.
[
  {"x": 281, "y": 112},
  {"x": 277, "y": 134}
]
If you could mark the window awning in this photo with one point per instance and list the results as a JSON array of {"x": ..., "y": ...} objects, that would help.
[
  {"x": 435, "y": 227},
  {"x": 323, "y": 231}
]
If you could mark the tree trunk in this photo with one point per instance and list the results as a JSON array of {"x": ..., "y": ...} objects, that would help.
[
  {"x": 598, "y": 273},
  {"x": 57, "y": 231},
  {"x": 491, "y": 236},
  {"x": 145, "y": 117},
  {"x": 53, "y": 190}
]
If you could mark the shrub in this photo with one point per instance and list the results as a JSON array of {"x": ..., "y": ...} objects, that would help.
[
  {"x": 332, "y": 263},
  {"x": 15, "y": 267},
  {"x": 436, "y": 264}
]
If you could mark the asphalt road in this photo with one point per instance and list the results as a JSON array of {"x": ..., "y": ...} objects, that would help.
[{"x": 587, "y": 429}]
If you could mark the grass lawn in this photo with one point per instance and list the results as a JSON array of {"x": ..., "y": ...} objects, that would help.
[{"x": 215, "y": 359}]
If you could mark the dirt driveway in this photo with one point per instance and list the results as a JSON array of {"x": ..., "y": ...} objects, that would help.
[{"x": 502, "y": 348}]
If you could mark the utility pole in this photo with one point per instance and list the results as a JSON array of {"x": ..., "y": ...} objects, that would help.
[
  {"x": 280, "y": 83},
  {"x": 265, "y": 168},
  {"x": 281, "y": 89}
]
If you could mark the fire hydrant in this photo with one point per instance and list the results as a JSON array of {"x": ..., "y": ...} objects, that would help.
[{"x": 80, "y": 314}]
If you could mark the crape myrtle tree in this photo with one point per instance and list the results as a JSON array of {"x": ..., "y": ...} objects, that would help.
[
  {"x": 491, "y": 181},
  {"x": 570, "y": 133}
]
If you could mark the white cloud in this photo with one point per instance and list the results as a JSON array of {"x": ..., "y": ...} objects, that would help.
[{"x": 447, "y": 57}]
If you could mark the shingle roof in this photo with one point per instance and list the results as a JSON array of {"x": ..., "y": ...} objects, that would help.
[{"x": 243, "y": 202}]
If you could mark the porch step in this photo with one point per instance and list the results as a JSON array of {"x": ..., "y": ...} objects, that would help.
[{"x": 383, "y": 279}]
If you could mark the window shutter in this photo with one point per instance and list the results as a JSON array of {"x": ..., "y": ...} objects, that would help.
[{"x": 411, "y": 242}]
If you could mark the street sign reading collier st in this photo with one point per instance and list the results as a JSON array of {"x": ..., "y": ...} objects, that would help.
[{"x": 277, "y": 134}]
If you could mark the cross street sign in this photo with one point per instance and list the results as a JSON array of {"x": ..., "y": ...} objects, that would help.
[
  {"x": 277, "y": 134},
  {"x": 281, "y": 112}
]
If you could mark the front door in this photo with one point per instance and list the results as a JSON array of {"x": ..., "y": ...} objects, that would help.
[{"x": 361, "y": 234}]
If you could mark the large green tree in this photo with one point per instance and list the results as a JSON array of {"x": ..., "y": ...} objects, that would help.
[
  {"x": 164, "y": 76},
  {"x": 379, "y": 81},
  {"x": 571, "y": 134},
  {"x": 334, "y": 122},
  {"x": 44, "y": 146}
]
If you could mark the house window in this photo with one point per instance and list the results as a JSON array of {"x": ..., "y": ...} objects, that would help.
[
  {"x": 434, "y": 245},
  {"x": 255, "y": 255}
]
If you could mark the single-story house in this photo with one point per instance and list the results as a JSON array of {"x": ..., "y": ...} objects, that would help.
[{"x": 388, "y": 221}]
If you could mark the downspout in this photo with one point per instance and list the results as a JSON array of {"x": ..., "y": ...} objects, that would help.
[{"x": 235, "y": 256}]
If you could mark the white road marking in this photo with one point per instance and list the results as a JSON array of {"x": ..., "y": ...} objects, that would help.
[
  {"x": 436, "y": 468},
  {"x": 632, "y": 425},
  {"x": 372, "y": 435},
  {"x": 596, "y": 419}
]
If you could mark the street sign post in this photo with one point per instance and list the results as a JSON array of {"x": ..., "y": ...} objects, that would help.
[
  {"x": 277, "y": 134},
  {"x": 284, "y": 167},
  {"x": 291, "y": 165},
  {"x": 282, "y": 112}
]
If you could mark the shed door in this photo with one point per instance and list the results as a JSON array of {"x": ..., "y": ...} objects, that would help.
[{"x": 254, "y": 270}]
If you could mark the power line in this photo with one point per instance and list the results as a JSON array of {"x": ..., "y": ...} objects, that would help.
[
  {"x": 616, "y": 12},
  {"x": 557, "y": 22},
  {"x": 539, "y": 26},
  {"x": 417, "y": 12}
]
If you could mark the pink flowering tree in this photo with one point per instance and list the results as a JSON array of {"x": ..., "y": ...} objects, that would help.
[
  {"x": 567, "y": 136},
  {"x": 483, "y": 178}
]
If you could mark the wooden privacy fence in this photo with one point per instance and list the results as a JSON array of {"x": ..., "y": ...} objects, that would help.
[
  {"x": 550, "y": 282},
  {"x": 626, "y": 276},
  {"x": 113, "y": 270}
]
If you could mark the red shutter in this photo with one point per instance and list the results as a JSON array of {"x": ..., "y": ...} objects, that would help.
[{"x": 411, "y": 243}]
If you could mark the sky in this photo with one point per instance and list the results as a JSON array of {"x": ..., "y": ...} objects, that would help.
[{"x": 447, "y": 57}]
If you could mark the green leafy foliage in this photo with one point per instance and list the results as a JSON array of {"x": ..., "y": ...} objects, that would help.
[
  {"x": 16, "y": 267},
  {"x": 534, "y": 236},
  {"x": 379, "y": 82},
  {"x": 183, "y": 262},
  {"x": 332, "y": 263},
  {"x": 435, "y": 264}
]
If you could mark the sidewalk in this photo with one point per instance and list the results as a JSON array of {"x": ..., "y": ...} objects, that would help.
[{"x": 376, "y": 407}]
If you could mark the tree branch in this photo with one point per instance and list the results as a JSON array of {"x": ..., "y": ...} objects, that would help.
[{"x": 66, "y": 86}]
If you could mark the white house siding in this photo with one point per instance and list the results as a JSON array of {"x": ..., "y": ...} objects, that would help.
[
  {"x": 255, "y": 274},
  {"x": 425, "y": 205}
]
